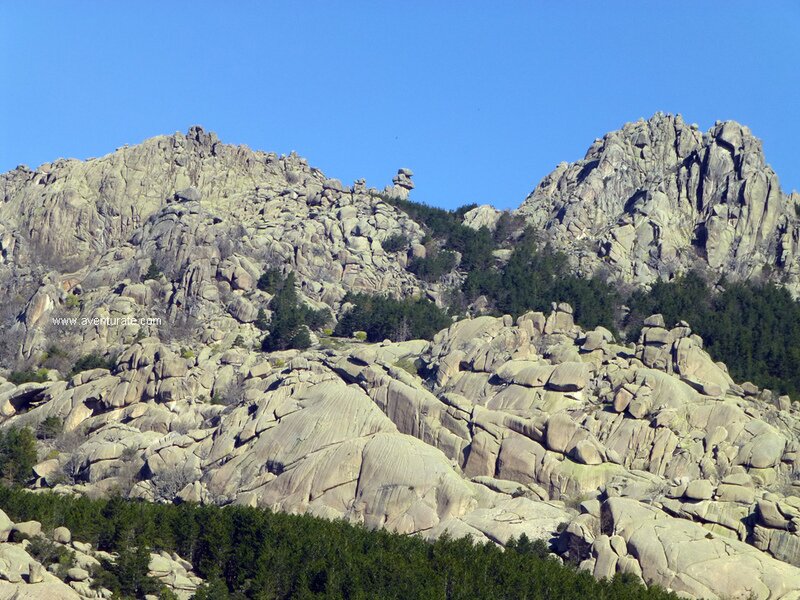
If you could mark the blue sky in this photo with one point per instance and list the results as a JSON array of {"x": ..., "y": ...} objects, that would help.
[{"x": 480, "y": 99}]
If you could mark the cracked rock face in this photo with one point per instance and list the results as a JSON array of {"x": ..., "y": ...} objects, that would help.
[
  {"x": 659, "y": 197},
  {"x": 645, "y": 459},
  {"x": 77, "y": 238},
  {"x": 648, "y": 459}
]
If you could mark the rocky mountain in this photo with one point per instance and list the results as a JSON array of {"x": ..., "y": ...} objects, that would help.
[
  {"x": 645, "y": 458},
  {"x": 659, "y": 197},
  {"x": 210, "y": 216}
]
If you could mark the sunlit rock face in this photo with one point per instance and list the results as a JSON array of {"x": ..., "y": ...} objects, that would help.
[
  {"x": 645, "y": 458},
  {"x": 659, "y": 197}
]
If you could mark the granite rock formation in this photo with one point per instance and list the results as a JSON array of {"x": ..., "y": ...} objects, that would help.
[
  {"x": 645, "y": 458},
  {"x": 496, "y": 428},
  {"x": 659, "y": 197}
]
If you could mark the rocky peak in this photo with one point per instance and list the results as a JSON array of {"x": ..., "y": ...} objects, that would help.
[
  {"x": 210, "y": 216},
  {"x": 402, "y": 184},
  {"x": 658, "y": 197}
]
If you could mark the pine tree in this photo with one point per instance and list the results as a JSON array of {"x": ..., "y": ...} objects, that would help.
[
  {"x": 287, "y": 328},
  {"x": 17, "y": 455},
  {"x": 261, "y": 320},
  {"x": 153, "y": 272}
]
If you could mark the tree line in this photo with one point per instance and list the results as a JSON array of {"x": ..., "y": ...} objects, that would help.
[
  {"x": 754, "y": 328},
  {"x": 245, "y": 552}
]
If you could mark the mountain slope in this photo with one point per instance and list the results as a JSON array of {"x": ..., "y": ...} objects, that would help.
[
  {"x": 494, "y": 429},
  {"x": 659, "y": 197},
  {"x": 630, "y": 458},
  {"x": 209, "y": 216}
]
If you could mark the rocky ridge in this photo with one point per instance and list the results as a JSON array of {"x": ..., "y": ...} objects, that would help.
[
  {"x": 659, "y": 197},
  {"x": 77, "y": 238}
]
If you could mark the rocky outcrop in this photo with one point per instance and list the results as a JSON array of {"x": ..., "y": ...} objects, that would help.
[
  {"x": 23, "y": 576},
  {"x": 626, "y": 535},
  {"x": 495, "y": 428},
  {"x": 645, "y": 458},
  {"x": 659, "y": 197},
  {"x": 401, "y": 184},
  {"x": 81, "y": 235}
]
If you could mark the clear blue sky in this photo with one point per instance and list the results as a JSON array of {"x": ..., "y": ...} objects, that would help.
[{"x": 481, "y": 99}]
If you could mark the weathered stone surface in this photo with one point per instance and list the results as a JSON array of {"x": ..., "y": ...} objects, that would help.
[
  {"x": 502, "y": 417},
  {"x": 208, "y": 216},
  {"x": 569, "y": 377},
  {"x": 683, "y": 556},
  {"x": 62, "y": 535},
  {"x": 28, "y": 528},
  {"x": 487, "y": 431},
  {"x": 699, "y": 489},
  {"x": 637, "y": 193},
  {"x": 5, "y": 526}
]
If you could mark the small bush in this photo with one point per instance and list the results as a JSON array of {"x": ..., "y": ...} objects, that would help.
[
  {"x": 72, "y": 301},
  {"x": 17, "y": 537},
  {"x": 232, "y": 394},
  {"x": 395, "y": 243},
  {"x": 50, "y": 428},
  {"x": 55, "y": 351},
  {"x": 69, "y": 441},
  {"x": 507, "y": 226},
  {"x": 91, "y": 361},
  {"x": 408, "y": 365},
  {"x": 49, "y": 553},
  {"x": 153, "y": 272},
  {"x": 168, "y": 483},
  {"x": 187, "y": 353},
  {"x": 28, "y": 376},
  {"x": 56, "y": 358},
  {"x": 17, "y": 455}
]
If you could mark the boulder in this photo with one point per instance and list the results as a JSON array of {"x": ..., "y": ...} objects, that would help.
[
  {"x": 28, "y": 528},
  {"x": 569, "y": 377},
  {"x": 6, "y": 526},
  {"x": 77, "y": 574},
  {"x": 699, "y": 489},
  {"x": 62, "y": 535}
]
